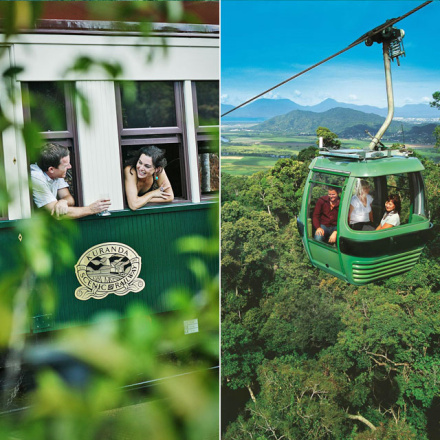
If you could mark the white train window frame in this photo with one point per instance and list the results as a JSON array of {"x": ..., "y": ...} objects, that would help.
[
  {"x": 68, "y": 137},
  {"x": 170, "y": 138}
]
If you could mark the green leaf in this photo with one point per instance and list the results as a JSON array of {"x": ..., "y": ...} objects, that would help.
[
  {"x": 32, "y": 139},
  {"x": 12, "y": 71},
  {"x": 114, "y": 70},
  {"x": 84, "y": 106},
  {"x": 82, "y": 64}
]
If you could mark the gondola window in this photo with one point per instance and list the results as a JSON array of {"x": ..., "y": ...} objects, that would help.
[
  {"x": 399, "y": 184},
  {"x": 320, "y": 185},
  {"x": 356, "y": 199},
  {"x": 407, "y": 186}
]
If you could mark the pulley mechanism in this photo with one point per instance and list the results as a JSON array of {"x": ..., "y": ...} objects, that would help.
[{"x": 394, "y": 38}]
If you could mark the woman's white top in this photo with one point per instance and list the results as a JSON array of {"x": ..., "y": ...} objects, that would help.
[
  {"x": 360, "y": 212},
  {"x": 391, "y": 219}
]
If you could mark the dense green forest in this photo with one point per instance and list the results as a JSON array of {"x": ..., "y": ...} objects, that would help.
[{"x": 319, "y": 358}]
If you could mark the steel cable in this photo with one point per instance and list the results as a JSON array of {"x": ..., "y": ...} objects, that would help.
[{"x": 360, "y": 40}]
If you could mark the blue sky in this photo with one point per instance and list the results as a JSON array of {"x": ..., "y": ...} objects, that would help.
[{"x": 266, "y": 42}]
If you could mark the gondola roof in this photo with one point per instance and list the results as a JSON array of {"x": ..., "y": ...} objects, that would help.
[{"x": 378, "y": 165}]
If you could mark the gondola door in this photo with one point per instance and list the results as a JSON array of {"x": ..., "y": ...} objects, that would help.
[{"x": 321, "y": 186}]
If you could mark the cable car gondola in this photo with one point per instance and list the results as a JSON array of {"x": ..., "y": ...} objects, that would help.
[{"x": 360, "y": 256}]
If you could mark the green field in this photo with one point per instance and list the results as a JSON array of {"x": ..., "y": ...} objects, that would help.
[
  {"x": 246, "y": 165},
  {"x": 262, "y": 149},
  {"x": 430, "y": 153},
  {"x": 245, "y": 143},
  {"x": 248, "y": 151},
  {"x": 251, "y": 137}
]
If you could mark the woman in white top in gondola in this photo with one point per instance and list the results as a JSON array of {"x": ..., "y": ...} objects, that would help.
[{"x": 360, "y": 214}]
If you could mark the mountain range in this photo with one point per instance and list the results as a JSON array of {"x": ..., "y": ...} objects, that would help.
[
  {"x": 263, "y": 109},
  {"x": 347, "y": 124}
]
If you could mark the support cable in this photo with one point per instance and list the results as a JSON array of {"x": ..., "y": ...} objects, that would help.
[{"x": 360, "y": 40}]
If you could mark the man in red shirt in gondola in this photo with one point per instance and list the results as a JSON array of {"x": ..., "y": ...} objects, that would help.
[{"x": 325, "y": 216}]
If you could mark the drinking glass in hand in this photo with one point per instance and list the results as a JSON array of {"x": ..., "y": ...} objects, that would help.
[{"x": 104, "y": 196}]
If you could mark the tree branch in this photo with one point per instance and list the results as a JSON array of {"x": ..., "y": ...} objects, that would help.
[
  {"x": 362, "y": 419},
  {"x": 251, "y": 393},
  {"x": 397, "y": 364}
]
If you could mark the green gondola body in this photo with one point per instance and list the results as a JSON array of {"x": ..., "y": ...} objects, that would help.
[
  {"x": 362, "y": 257},
  {"x": 144, "y": 242}
]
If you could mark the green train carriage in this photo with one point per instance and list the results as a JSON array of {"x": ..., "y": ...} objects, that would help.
[{"x": 173, "y": 104}]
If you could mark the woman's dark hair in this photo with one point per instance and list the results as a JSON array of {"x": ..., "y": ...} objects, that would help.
[
  {"x": 396, "y": 200},
  {"x": 157, "y": 156}
]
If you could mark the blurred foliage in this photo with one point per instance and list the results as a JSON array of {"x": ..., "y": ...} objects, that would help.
[
  {"x": 19, "y": 15},
  {"x": 84, "y": 375},
  {"x": 139, "y": 348},
  {"x": 318, "y": 357},
  {"x": 437, "y": 136},
  {"x": 435, "y": 100},
  {"x": 436, "y": 103}
]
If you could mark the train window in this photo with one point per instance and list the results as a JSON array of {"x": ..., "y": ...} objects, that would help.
[
  {"x": 150, "y": 113},
  {"x": 207, "y": 93},
  {"x": 175, "y": 168},
  {"x": 149, "y": 104},
  {"x": 3, "y": 189},
  {"x": 47, "y": 105},
  {"x": 50, "y": 105},
  {"x": 206, "y": 103},
  {"x": 208, "y": 168}
]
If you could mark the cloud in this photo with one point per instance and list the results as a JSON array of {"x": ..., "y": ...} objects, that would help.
[
  {"x": 224, "y": 97},
  {"x": 353, "y": 97},
  {"x": 273, "y": 95},
  {"x": 426, "y": 99},
  {"x": 297, "y": 93}
]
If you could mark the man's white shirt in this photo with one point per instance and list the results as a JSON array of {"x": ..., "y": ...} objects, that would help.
[{"x": 45, "y": 189}]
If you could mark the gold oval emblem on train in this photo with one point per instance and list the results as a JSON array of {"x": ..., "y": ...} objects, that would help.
[{"x": 108, "y": 268}]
